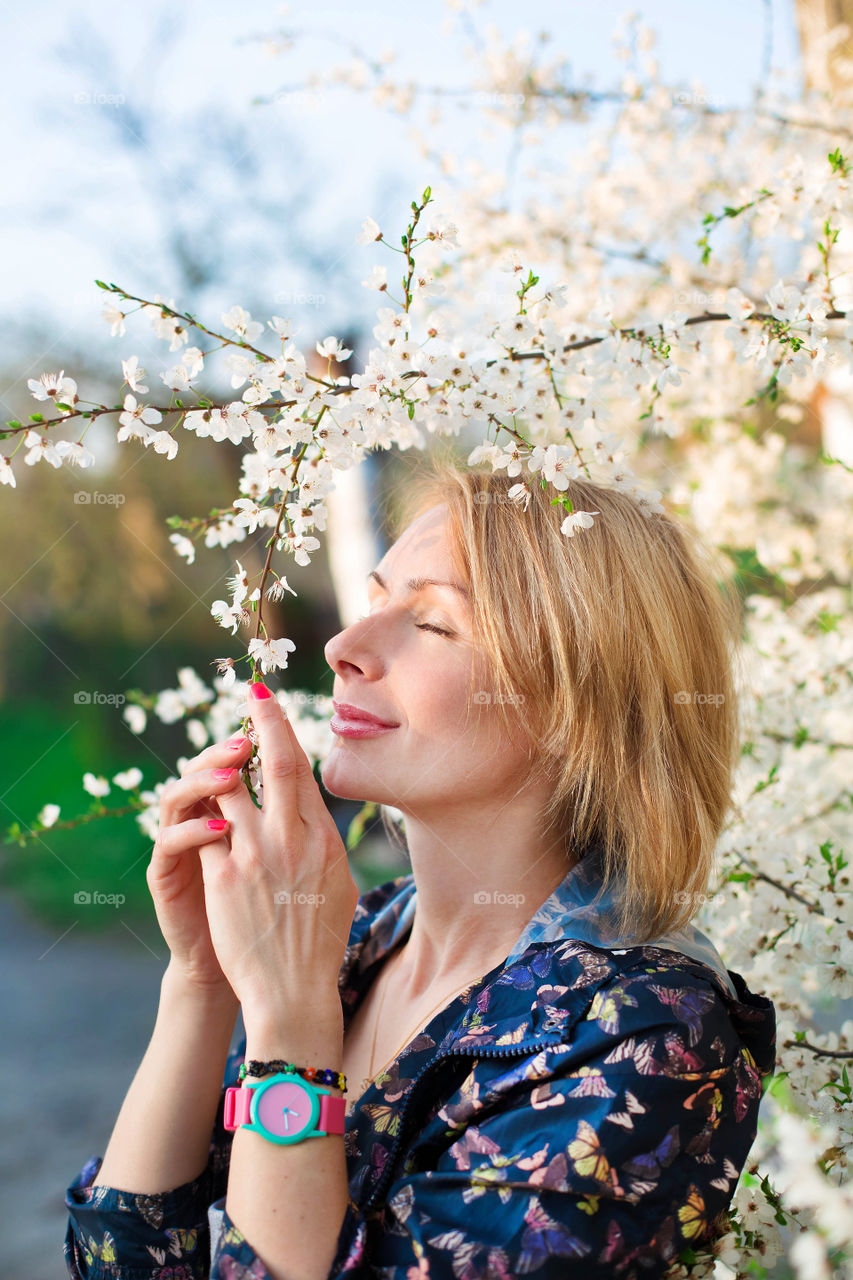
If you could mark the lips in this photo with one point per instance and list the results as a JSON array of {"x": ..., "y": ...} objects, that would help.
[{"x": 346, "y": 711}]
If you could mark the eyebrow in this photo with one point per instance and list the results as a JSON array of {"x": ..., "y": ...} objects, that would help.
[{"x": 418, "y": 584}]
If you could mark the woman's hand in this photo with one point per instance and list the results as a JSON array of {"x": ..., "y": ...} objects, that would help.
[
  {"x": 174, "y": 873},
  {"x": 279, "y": 894}
]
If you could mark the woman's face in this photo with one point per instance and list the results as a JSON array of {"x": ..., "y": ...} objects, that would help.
[{"x": 390, "y": 665}]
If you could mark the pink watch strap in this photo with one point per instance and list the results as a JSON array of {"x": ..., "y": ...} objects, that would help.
[
  {"x": 236, "y": 1110},
  {"x": 332, "y": 1110},
  {"x": 238, "y": 1102}
]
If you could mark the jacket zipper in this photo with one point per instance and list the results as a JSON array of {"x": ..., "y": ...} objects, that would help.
[{"x": 487, "y": 1051}]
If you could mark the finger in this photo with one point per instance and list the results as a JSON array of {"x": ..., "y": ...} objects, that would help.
[
  {"x": 285, "y": 764},
  {"x": 177, "y": 841},
  {"x": 236, "y": 804},
  {"x": 312, "y": 804},
  {"x": 280, "y": 767},
  {"x": 219, "y": 754},
  {"x": 181, "y": 794}
]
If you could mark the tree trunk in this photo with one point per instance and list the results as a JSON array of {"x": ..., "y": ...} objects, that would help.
[{"x": 826, "y": 41}]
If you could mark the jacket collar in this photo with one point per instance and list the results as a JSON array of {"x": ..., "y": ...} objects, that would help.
[{"x": 568, "y": 913}]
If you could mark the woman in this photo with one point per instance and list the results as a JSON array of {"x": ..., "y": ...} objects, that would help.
[{"x": 549, "y": 1070}]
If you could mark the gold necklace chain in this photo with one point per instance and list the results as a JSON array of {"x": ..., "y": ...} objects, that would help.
[{"x": 423, "y": 1019}]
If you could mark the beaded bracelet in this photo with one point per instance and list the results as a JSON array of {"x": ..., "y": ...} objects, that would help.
[{"x": 325, "y": 1076}]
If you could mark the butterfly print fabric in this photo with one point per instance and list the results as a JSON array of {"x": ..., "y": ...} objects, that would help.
[{"x": 582, "y": 1110}]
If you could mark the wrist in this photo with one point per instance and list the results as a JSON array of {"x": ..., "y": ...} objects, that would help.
[
  {"x": 210, "y": 996},
  {"x": 309, "y": 1039}
]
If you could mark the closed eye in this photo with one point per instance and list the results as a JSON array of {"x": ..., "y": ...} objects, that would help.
[
  {"x": 423, "y": 626},
  {"x": 428, "y": 626}
]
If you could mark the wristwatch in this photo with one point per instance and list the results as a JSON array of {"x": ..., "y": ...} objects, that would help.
[{"x": 284, "y": 1108}]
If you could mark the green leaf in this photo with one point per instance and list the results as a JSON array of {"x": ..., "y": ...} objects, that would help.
[
  {"x": 838, "y": 162},
  {"x": 101, "y": 285},
  {"x": 13, "y": 422},
  {"x": 427, "y": 194},
  {"x": 411, "y": 409},
  {"x": 355, "y": 831},
  {"x": 828, "y": 621},
  {"x": 36, "y": 417}
]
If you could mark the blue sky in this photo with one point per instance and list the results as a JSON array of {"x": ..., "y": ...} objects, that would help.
[{"x": 81, "y": 205}]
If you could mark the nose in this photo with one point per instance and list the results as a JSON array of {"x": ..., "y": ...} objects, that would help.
[{"x": 343, "y": 653}]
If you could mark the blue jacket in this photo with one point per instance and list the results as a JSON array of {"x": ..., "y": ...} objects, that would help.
[{"x": 583, "y": 1109}]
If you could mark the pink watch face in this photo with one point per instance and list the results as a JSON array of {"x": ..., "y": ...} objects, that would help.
[{"x": 285, "y": 1109}]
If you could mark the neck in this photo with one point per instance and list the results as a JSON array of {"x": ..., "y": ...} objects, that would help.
[{"x": 472, "y": 909}]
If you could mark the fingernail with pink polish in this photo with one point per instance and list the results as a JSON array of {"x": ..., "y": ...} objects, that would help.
[
  {"x": 260, "y": 690},
  {"x": 224, "y": 773},
  {"x": 217, "y": 824},
  {"x": 234, "y": 744}
]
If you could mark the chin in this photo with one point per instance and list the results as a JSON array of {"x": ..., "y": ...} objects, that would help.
[{"x": 343, "y": 782}]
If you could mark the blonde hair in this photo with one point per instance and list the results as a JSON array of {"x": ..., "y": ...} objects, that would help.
[{"x": 611, "y": 658}]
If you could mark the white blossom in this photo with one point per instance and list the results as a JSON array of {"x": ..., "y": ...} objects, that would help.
[
  {"x": 128, "y": 779},
  {"x": 241, "y": 323},
  {"x": 96, "y": 786},
  {"x": 75, "y": 453},
  {"x": 197, "y": 733},
  {"x": 136, "y": 420},
  {"x": 378, "y": 279},
  {"x": 115, "y": 318},
  {"x": 166, "y": 326},
  {"x": 135, "y": 717},
  {"x": 330, "y": 348},
  {"x": 271, "y": 654},
  {"x": 41, "y": 450},
  {"x": 577, "y": 520},
  {"x": 283, "y": 328},
  {"x": 55, "y": 387},
  {"x": 183, "y": 546},
  {"x": 369, "y": 232},
  {"x": 133, "y": 374},
  {"x": 227, "y": 671}
]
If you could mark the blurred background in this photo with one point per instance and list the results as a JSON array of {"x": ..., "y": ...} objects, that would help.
[{"x": 180, "y": 151}]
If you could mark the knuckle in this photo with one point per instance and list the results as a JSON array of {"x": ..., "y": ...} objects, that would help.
[{"x": 279, "y": 767}]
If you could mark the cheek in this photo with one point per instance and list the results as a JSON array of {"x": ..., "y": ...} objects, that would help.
[
  {"x": 450, "y": 704},
  {"x": 435, "y": 697}
]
